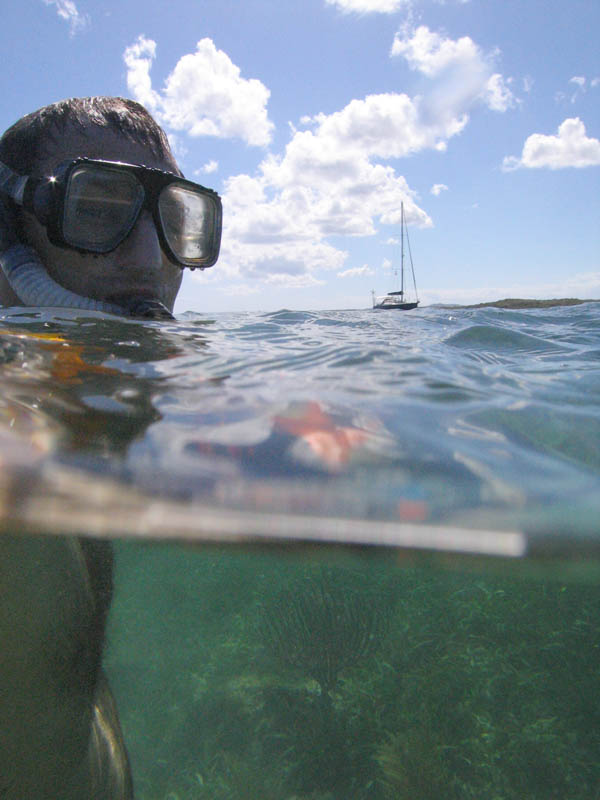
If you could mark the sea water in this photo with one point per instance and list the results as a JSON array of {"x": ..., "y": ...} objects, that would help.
[{"x": 441, "y": 641}]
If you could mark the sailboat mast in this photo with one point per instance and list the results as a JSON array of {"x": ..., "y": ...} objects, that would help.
[
  {"x": 395, "y": 298},
  {"x": 402, "y": 249}
]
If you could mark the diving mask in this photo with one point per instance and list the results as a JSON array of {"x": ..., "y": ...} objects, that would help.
[{"x": 91, "y": 206}]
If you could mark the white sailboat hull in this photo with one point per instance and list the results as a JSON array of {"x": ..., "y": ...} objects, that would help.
[{"x": 393, "y": 304}]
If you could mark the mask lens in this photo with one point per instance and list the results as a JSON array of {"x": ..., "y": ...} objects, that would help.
[
  {"x": 188, "y": 220},
  {"x": 100, "y": 207}
]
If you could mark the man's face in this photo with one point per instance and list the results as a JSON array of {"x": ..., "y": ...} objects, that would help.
[{"x": 137, "y": 267}]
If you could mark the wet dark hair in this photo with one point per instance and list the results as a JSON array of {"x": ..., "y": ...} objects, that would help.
[{"x": 30, "y": 139}]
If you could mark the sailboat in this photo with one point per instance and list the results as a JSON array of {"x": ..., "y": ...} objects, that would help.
[{"x": 396, "y": 299}]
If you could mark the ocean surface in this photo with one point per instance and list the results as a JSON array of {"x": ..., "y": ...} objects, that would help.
[{"x": 357, "y": 551}]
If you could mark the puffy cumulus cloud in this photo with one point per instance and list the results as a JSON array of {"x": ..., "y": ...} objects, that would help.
[
  {"x": 368, "y": 6},
  {"x": 438, "y": 188},
  {"x": 430, "y": 53},
  {"x": 205, "y": 94},
  {"x": 569, "y": 148},
  {"x": 276, "y": 265},
  {"x": 138, "y": 59},
  {"x": 270, "y": 251},
  {"x": 497, "y": 95},
  {"x": 464, "y": 73},
  {"x": 381, "y": 125},
  {"x": 67, "y": 10},
  {"x": 356, "y": 272},
  {"x": 329, "y": 181},
  {"x": 332, "y": 180},
  {"x": 324, "y": 184}
]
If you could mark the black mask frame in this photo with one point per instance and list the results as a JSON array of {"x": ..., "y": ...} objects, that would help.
[{"x": 48, "y": 199}]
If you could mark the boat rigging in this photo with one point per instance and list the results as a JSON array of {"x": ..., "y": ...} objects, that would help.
[{"x": 396, "y": 299}]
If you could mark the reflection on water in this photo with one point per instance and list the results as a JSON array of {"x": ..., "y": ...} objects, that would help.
[
  {"x": 405, "y": 671},
  {"x": 440, "y": 419}
]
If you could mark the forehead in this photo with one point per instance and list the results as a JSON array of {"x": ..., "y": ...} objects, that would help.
[{"x": 102, "y": 143}]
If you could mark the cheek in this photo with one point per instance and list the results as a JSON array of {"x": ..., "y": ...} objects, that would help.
[
  {"x": 75, "y": 271},
  {"x": 173, "y": 279},
  {"x": 55, "y": 259},
  {"x": 34, "y": 234}
]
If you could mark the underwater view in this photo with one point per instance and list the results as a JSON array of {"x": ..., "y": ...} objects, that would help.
[
  {"x": 356, "y": 554},
  {"x": 246, "y": 675}
]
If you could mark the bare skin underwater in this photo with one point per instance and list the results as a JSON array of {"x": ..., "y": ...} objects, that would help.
[{"x": 59, "y": 730}]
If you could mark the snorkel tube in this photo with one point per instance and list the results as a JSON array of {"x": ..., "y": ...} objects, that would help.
[{"x": 33, "y": 286}]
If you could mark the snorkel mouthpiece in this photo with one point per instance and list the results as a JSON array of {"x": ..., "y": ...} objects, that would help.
[{"x": 143, "y": 307}]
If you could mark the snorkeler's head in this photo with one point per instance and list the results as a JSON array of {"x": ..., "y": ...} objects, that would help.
[{"x": 95, "y": 213}]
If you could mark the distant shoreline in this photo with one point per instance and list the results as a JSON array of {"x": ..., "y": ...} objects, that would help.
[{"x": 515, "y": 302}]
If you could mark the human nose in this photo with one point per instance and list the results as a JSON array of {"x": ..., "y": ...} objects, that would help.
[{"x": 142, "y": 247}]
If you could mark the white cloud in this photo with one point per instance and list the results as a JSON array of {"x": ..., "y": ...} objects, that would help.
[
  {"x": 287, "y": 259},
  {"x": 569, "y": 148},
  {"x": 138, "y": 59},
  {"x": 497, "y": 95},
  {"x": 580, "y": 86},
  {"x": 431, "y": 54},
  {"x": 332, "y": 179},
  {"x": 356, "y": 272},
  {"x": 382, "y": 125},
  {"x": 205, "y": 94},
  {"x": 325, "y": 184},
  {"x": 438, "y": 188},
  {"x": 67, "y": 10},
  {"x": 210, "y": 167},
  {"x": 464, "y": 73},
  {"x": 368, "y": 6}
]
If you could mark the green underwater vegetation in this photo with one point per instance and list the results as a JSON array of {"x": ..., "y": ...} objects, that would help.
[{"x": 249, "y": 675}]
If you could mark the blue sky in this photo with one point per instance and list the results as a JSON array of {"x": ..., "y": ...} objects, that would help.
[{"x": 315, "y": 119}]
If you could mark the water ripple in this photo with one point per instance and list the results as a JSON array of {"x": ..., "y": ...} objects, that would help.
[{"x": 462, "y": 408}]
